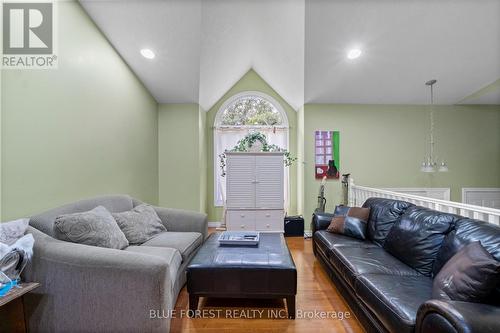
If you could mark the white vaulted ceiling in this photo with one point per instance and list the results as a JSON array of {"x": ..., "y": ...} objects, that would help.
[
  {"x": 404, "y": 43},
  {"x": 266, "y": 35},
  {"x": 299, "y": 47},
  {"x": 203, "y": 47},
  {"x": 170, "y": 28}
]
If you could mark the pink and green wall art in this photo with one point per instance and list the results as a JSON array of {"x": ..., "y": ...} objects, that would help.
[{"x": 327, "y": 154}]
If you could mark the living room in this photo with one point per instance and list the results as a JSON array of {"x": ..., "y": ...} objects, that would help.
[{"x": 136, "y": 134}]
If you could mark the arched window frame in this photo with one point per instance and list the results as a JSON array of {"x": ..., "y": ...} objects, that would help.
[
  {"x": 245, "y": 94},
  {"x": 217, "y": 125}
]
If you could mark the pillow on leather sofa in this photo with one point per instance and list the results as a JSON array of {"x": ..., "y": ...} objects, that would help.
[
  {"x": 383, "y": 214},
  {"x": 95, "y": 227},
  {"x": 350, "y": 221},
  {"x": 469, "y": 276},
  {"x": 466, "y": 231},
  {"x": 417, "y": 237}
]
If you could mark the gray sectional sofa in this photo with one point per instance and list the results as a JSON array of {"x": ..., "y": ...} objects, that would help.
[{"x": 93, "y": 289}]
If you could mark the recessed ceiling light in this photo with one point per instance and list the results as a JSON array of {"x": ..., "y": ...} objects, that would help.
[
  {"x": 147, "y": 53},
  {"x": 353, "y": 54}
]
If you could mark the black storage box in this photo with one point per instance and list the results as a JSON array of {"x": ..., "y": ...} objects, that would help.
[{"x": 294, "y": 226}]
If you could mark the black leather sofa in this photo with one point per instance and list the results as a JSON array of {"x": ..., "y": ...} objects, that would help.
[{"x": 386, "y": 294}]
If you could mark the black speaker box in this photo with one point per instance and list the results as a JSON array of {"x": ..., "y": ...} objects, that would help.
[{"x": 294, "y": 226}]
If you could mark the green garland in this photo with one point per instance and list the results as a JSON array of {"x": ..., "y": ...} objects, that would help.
[{"x": 248, "y": 141}]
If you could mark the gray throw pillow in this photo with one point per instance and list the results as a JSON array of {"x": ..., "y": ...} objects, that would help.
[
  {"x": 95, "y": 227},
  {"x": 139, "y": 224}
]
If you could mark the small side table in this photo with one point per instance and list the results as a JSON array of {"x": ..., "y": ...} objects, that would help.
[{"x": 12, "y": 316}]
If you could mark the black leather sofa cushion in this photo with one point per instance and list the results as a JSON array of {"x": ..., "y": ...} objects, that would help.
[
  {"x": 330, "y": 240},
  {"x": 416, "y": 237},
  {"x": 354, "y": 261},
  {"x": 383, "y": 214},
  {"x": 466, "y": 231},
  {"x": 394, "y": 299},
  {"x": 320, "y": 244}
]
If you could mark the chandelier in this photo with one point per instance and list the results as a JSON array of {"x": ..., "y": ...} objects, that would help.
[{"x": 430, "y": 163}]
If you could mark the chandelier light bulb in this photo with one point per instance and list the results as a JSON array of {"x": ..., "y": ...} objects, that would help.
[{"x": 443, "y": 167}]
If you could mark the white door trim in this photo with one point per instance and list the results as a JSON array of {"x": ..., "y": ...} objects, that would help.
[{"x": 466, "y": 191}]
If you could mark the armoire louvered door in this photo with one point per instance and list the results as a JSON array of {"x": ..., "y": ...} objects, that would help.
[
  {"x": 255, "y": 191},
  {"x": 240, "y": 188},
  {"x": 269, "y": 181}
]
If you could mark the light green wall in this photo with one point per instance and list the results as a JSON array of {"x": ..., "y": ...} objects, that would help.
[
  {"x": 84, "y": 129},
  {"x": 182, "y": 157},
  {"x": 251, "y": 81},
  {"x": 203, "y": 156},
  {"x": 383, "y": 146}
]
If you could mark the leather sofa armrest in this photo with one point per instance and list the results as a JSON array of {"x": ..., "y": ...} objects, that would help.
[
  {"x": 436, "y": 316},
  {"x": 320, "y": 221}
]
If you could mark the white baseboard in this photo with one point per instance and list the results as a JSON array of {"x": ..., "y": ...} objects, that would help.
[{"x": 214, "y": 224}]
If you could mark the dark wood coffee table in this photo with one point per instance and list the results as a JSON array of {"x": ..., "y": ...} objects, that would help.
[{"x": 263, "y": 271}]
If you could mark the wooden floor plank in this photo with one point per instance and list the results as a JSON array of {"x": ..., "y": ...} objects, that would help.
[{"x": 315, "y": 292}]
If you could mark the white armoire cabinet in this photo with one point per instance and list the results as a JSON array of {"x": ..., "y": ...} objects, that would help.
[{"x": 254, "y": 191}]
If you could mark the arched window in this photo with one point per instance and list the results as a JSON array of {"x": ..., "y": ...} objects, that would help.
[{"x": 241, "y": 114}]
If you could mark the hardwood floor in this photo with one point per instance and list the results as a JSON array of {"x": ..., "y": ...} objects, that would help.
[{"x": 316, "y": 295}]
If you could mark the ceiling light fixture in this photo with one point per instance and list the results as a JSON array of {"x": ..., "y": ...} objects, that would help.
[
  {"x": 147, "y": 53},
  {"x": 353, "y": 54}
]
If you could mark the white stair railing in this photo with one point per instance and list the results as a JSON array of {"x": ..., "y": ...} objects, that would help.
[{"x": 359, "y": 194}]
